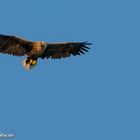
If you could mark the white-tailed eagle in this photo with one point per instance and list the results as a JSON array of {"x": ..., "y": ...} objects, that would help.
[{"x": 33, "y": 50}]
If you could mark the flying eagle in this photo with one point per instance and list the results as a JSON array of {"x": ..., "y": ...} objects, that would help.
[{"x": 17, "y": 46}]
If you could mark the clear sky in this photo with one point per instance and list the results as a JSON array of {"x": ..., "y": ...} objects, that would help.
[{"x": 92, "y": 97}]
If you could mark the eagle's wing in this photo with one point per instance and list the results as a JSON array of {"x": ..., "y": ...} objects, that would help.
[
  {"x": 14, "y": 45},
  {"x": 66, "y": 49}
]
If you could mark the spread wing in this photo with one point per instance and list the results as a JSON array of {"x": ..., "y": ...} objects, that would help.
[
  {"x": 66, "y": 49},
  {"x": 14, "y": 45}
]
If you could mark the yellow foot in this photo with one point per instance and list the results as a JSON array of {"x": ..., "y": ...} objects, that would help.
[{"x": 32, "y": 62}]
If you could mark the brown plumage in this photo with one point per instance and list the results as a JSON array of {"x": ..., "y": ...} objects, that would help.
[{"x": 17, "y": 46}]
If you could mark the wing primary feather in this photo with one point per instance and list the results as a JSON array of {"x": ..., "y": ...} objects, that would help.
[
  {"x": 82, "y": 48},
  {"x": 82, "y": 52},
  {"x": 65, "y": 49}
]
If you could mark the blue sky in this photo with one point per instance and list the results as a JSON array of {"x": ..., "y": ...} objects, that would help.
[{"x": 92, "y": 97}]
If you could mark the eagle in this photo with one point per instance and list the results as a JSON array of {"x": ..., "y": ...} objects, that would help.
[{"x": 18, "y": 46}]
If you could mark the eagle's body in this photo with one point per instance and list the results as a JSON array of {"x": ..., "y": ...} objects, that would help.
[{"x": 33, "y": 50}]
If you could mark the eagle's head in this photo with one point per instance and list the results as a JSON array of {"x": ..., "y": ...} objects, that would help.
[{"x": 43, "y": 44}]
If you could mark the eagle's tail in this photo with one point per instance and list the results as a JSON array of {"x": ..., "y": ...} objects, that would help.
[{"x": 29, "y": 63}]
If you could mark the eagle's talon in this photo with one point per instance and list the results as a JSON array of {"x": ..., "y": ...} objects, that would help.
[{"x": 33, "y": 62}]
